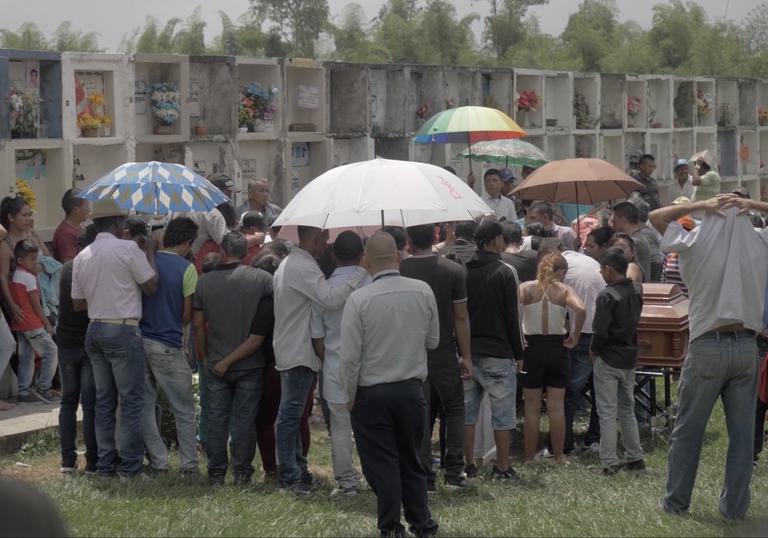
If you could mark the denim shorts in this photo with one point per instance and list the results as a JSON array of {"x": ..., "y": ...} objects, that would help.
[{"x": 497, "y": 377}]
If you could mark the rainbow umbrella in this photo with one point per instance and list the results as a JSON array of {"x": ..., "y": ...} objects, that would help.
[{"x": 468, "y": 124}]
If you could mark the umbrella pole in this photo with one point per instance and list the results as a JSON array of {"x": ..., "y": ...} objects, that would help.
[
  {"x": 382, "y": 219},
  {"x": 578, "y": 219}
]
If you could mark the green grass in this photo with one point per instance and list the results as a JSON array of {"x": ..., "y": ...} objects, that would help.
[{"x": 561, "y": 501}]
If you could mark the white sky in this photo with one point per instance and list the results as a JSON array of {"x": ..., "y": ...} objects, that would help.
[{"x": 114, "y": 18}]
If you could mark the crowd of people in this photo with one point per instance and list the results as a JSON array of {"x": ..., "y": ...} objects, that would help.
[{"x": 400, "y": 330}]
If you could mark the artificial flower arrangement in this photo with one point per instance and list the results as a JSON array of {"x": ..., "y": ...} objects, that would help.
[
  {"x": 528, "y": 101},
  {"x": 423, "y": 111},
  {"x": 762, "y": 115},
  {"x": 257, "y": 105},
  {"x": 24, "y": 112},
  {"x": 633, "y": 105},
  {"x": 166, "y": 103},
  {"x": 93, "y": 118},
  {"x": 703, "y": 103},
  {"x": 25, "y": 191}
]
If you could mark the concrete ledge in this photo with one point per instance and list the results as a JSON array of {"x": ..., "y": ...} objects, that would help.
[{"x": 25, "y": 420}]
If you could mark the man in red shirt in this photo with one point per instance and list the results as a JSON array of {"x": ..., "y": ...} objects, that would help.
[{"x": 67, "y": 234}]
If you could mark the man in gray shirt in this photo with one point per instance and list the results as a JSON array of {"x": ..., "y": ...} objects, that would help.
[
  {"x": 626, "y": 220},
  {"x": 384, "y": 360},
  {"x": 226, "y": 300}
]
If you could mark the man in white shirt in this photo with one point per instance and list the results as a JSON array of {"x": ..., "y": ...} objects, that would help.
[
  {"x": 108, "y": 278},
  {"x": 501, "y": 205},
  {"x": 543, "y": 213},
  {"x": 682, "y": 185},
  {"x": 723, "y": 262},
  {"x": 326, "y": 338},
  {"x": 384, "y": 360},
  {"x": 299, "y": 283}
]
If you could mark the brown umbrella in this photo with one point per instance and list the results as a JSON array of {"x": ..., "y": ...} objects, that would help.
[{"x": 579, "y": 181}]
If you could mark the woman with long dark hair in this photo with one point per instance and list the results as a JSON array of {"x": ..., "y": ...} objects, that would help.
[{"x": 544, "y": 303}]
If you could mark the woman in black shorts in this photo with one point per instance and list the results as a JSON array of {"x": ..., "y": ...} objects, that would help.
[{"x": 545, "y": 302}]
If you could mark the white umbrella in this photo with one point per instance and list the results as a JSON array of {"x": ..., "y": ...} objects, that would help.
[{"x": 383, "y": 192}]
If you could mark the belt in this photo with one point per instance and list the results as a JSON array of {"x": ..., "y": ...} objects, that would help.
[
  {"x": 120, "y": 321},
  {"x": 726, "y": 332}
]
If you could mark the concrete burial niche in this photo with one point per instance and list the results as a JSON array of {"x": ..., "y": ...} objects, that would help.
[
  {"x": 684, "y": 102},
  {"x": 559, "y": 147},
  {"x": 387, "y": 100},
  {"x": 172, "y": 70},
  {"x": 728, "y": 155},
  {"x": 212, "y": 103},
  {"x": 352, "y": 149},
  {"x": 305, "y": 97},
  {"x": 749, "y": 154},
  {"x": 169, "y": 153},
  {"x": 393, "y": 148},
  {"x": 349, "y": 99},
  {"x": 86, "y": 78},
  {"x": 425, "y": 96},
  {"x": 267, "y": 73},
  {"x": 762, "y": 103},
  {"x": 305, "y": 159},
  {"x": 558, "y": 101},
  {"x": 497, "y": 90},
  {"x": 747, "y": 102},
  {"x": 530, "y": 82},
  {"x": 682, "y": 145},
  {"x": 613, "y": 150},
  {"x": 262, "y": 159},
  {"x": 462, "y": 87},
  {"x": 659, "y": 103},
  {"x": 705, "y": 140},
  {"x": 763, "y": 162},
  {"x": 36, "y": 75},
  {"x": 706, "y": 113},
  {"x": 634, "y": 144},
  {"x": 91, "y": 162},
  {"x": 586, "y": 101},
  {"x": 636, "y": 103},
  {"x": 660, "y": 146},
  {"x": 613, "y": 101},
  {"x": 727, "y": 103},
  {"x": 585, "y": 146}
]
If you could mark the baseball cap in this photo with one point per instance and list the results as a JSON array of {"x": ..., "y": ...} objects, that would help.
[
  {"x": 742, "y": 192},
  {"x": 507, "y": 175},
  {"x": 223, "y": 182},
  {"x": 680, "y": 162},
  {"x": 347, "y": 246}
]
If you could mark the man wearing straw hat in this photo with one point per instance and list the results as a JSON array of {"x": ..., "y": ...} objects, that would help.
[{"x": 108, "y": 278}]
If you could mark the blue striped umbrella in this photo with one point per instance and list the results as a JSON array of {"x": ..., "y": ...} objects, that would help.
[{"x": 156, "y": 188}]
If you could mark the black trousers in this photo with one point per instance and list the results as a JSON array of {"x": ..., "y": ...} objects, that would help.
[
  {"x": 444, "y": 379},
  {"x": 388, "y": 422},
  {"x": 762, "y": 408}
]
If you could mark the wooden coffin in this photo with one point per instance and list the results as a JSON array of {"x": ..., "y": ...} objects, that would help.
[{"x": 662, "y": 334}]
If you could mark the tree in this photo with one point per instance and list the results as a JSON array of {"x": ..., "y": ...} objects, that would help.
[
  {"x": 191, "y": 39},
  {"x": 397, "y": 32},
  {"x": 505, "y": 26},
  {"x": 67, "y": 39},
  {"x": 591, "y": 32},
  {"x": 754, "y": 30},
  {"x": 29, "y": 36},
  {"x": 446, "y": 39},
  {"x": 674, "y": 27},
  {"x": 351, "y": 38},
  {"x": 298, "y": 21}
]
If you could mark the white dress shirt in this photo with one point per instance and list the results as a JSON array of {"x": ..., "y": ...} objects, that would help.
[
  {"x": 327, "y": 324},
  {"x": 584, "y": 277},
  {"x": 107, "y": 274},
  {"x": 723, "y": 263},
  {"x": 387, "y": 328},
  {"x": 298, "y": 283},
  {"x": 502, "y": 206},
  {"x": 675, "y": 191}
]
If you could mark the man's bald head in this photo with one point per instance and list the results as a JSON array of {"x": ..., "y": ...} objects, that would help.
[
  {"x": 381, "y": 252},
  {"x": 258, "y": 193}
]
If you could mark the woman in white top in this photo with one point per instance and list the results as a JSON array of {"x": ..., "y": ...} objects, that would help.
[{"x": 545, "y": 303}]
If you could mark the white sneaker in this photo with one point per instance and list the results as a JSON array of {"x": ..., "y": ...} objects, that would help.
[
  {"x": 543, "y": 454},
  {"x": 68, "y": 471}
]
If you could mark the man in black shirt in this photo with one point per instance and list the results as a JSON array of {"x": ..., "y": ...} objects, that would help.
[
  {"x": 445, "y": 370},
  {"x": 614, "y": 354},
  {"x": 78, "y": 386},
  {"x": 525, "y": 262},
  {"x": 497, "y": 344}
]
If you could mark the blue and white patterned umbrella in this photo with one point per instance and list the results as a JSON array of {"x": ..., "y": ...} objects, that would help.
[{"x": 156, "y": 188}]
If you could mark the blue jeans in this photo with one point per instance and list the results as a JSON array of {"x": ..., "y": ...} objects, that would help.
[
  {"x": 40, "y": 342},
  {"x": 117, "y": 356},
  {"x": 295, "y": 385},
  {"x": 581, "y": 370},
  {"x": 77, "y": 388},
  {"x": 168, "y": 369},
  {"x": 233, "y": 400},
  {"x": 724, "y": 367},
  {"x": 497, "y": 377}
]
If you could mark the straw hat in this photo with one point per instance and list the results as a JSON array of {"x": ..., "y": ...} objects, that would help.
[
  {"x": 107, "y": 207},
  {"x": 705, "y": 156}
]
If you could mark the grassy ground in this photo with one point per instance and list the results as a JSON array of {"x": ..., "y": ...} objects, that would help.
[{"x": 549, "y": 500}]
